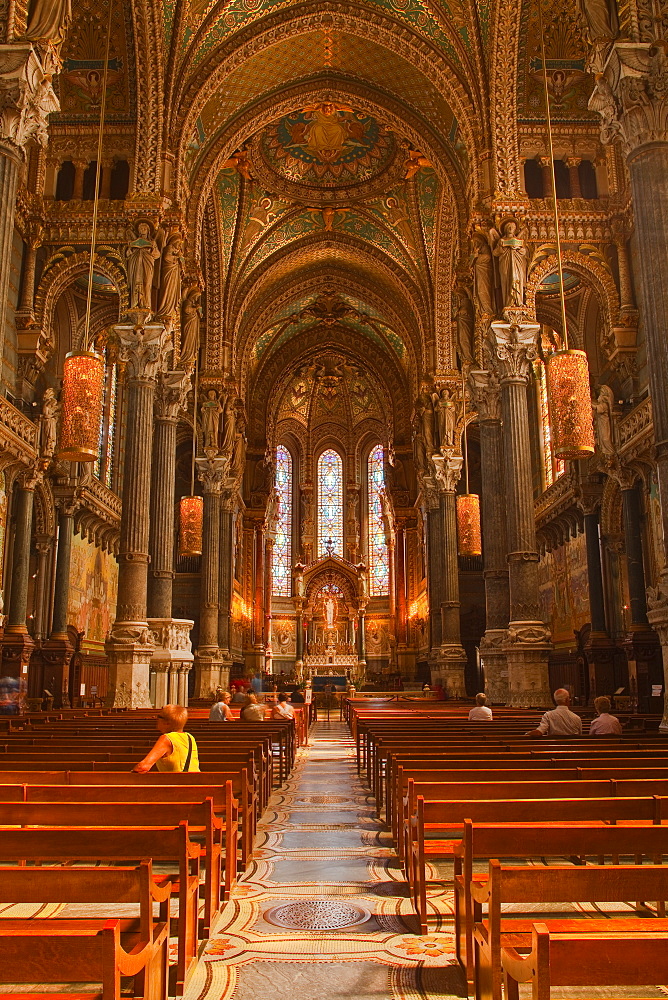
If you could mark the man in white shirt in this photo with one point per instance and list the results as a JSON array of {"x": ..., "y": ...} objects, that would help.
[
  {"x": 605, "y": 724},
  {"x": 560, "y": 721},
  {"x": 481, "y": 712}
]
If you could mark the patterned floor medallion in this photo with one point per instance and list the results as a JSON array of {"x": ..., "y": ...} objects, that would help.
[{"x": 317, "y": 915}]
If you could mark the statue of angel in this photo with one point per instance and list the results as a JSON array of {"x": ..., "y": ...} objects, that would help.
[
  {"x": 604, "y": 420},
  {"x": 511, "y": 250}
]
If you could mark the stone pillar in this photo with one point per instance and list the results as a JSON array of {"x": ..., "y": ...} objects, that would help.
[
  {"x": 43, "y": 544},
  {"x": 630, "y": 96},
  {"x": 57, "y": 651},
  {"x": 599, "y": 647},
  {"x": 573, "y": 162},
  {"x": 361, "y": 637},
  {"x": 105, "y": 179},
  {"x": 17, "y": 644},
  {"x": 434, "y": 531},
  {"x": 211, "y": 472},
  {"x": 170, "y": 396},
  {"x": 26, "y": 98},
  {"x": 452, "y": 658},
  {"x": 528, "y": 643},
  {"x": 546, "y": 168},
  {"x": 225, "y": 582},
  {"x": 268, "y": 563},
  {"x": 487, "y": 394},
  {"x": 33, "y": 243},
  {"x": 258, "y": 602},
  {"x": 130, "y": 643},
  {"x": 402, "y": 604},
  {"x": 299, "y": 636}
]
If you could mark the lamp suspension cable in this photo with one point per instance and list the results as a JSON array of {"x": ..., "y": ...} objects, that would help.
[
  {"x": 550, "y": 145},
  {"x": 98, "y": 177},
  {"x": 192, "y": 457},
  {"x": 465, "y": 443}
]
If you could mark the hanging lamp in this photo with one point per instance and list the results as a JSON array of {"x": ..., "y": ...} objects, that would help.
[
  {"x": 82, "y": 396},
  {"x": 569, "y": 393},
  {"x": 468, "y": 505},
  {"x": 191, "y": 508}
]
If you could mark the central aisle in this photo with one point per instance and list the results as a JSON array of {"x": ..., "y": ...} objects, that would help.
[{"x": 323, "y": 859}]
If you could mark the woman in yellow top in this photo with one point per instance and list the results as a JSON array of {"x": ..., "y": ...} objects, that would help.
[{"x": 174, "y": 750}]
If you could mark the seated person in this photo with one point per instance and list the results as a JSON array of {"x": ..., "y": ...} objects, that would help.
[
  {"x": 282, "y": 709},
  {"x": 220, "y": 710},
  {"x": 605, "y": 724},
  {"x": 481, "y": 712},
  {"x": 253, "y": 710},
  {"x": 560, "y": 721},
  {"x": 297, "y": 696},
  {"x": 174, "y": 750}
]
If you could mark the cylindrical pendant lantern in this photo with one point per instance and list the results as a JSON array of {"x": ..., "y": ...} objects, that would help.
[
  {"x": 81, "y": 414},
  {"x": 191, "y": 512},
  {"x": 468, "y": 524},
  {"x": 571, "y": 422}
]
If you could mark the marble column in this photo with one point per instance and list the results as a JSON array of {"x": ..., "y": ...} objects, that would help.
[
  {"x": 268, "y": 563},
  {"x": 403, "y": 657},
  {"x": 211, "y": 472},
  {"x": 258, "y": 601},
  {"x": 599, "y": 647},
  {"x": 27, "y": 98},
  {"x": 630, "y": 96},
  {"x": 17, "y": 644},
  {"x": 129, "y": 646},
  {"x": 434, "y": 533},
  {"x": 225, "y": 582},
  {"x": 573, "y": 162},
  {"x": 487, "y": 394},
  {"x": 527, "y": 644},
  {"x": 44, "y": 546},
  {"x": 173, "y": 647},
  {"x": 452, "y": 658},
  {"x": 57, "y": 651}
]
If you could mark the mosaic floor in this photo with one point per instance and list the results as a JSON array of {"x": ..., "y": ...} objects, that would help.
[{"x": 320, "y": 841}]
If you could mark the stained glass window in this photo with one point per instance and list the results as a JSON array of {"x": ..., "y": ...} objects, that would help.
[
  {"x": 379, "y": 570},
  {"x": 282, "y": 555},
  {"x": 330, "y": 503}
]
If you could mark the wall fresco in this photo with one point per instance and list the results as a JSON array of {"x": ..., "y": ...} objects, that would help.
[
  {"x": 564, "y": 597},
  {"x": 91, "y": 606}
]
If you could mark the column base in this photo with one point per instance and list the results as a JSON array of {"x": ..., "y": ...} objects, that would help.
[
  {"x": 172, "y": 652},
  {"x": 527, "y": 650},
  {"x": 208, "y": 664},
  {"x": 495, "y": 665},
  {"x": 56, "y": 654},
  {"x": 657, "y": 601},
  {"x": 17, "y": 648},
  {"x": 448, "y": 670},
  {"x": 129, "y": 648}
]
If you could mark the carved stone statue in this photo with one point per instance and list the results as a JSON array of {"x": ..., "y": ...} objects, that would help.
[
  {"x": 482, "y": 265},
  {"x": 604, "y": 420},
  {"x": 239, "y": 453},
  {"x": 142, "y": 253},
  {"x": 427, "y": 421},
  {"x": 271, "y": 513},
  {"x": 419, "y": 450},
  {"x": 48, "y": 424},
  {"x": 601, "y": 18},
  {"x": 362, "y": 579},
  {"x": 465, "y": 318},
  {"x": 210, "y": 412},
  {"x": 48, "y": 20},
  {"x": 191, "y": 314},
  {"x": 170, "y": 276},
  {"x": 447, "y": 418},
  {"x": 229, "y": 426},
  {"x": 511, "y": 251}
]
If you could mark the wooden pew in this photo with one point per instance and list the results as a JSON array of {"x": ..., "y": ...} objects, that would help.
[
  {"x": 170, "y": 844},
  {"x": 57, "y": 951},
  {"x": 607, "y": 958},
  {"x": 105, "y": 886},
  {"x": 556, "y": 884},
  {"x": 535, "y": 840},
  {"x": 202, "y": 823}
]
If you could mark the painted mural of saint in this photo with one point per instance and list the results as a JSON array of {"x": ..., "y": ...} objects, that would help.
[{"x": 327, "y": 134}]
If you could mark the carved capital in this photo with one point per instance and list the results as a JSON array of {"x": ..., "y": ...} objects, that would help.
[
  {"x": 211, "y": 473},
  {"x": 448, "y": 471},
  {"x": 515, "y": 349},
  {"x": 486, "y": 391},
  {"x": 631, "y": 94},
  {"x": 144, "y": 349},
  {"x": 171, "y": 394},
  {"x": 27, "y": 97}
]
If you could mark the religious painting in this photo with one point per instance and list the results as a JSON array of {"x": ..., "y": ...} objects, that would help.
[
  {"x": 328, "y": 144},
  {"x": 91, "y": 605},
  {"x": 563, "y": 590}
]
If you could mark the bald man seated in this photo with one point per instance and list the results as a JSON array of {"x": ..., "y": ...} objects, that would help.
[
  {"x": 560, "y": 721},
  {"x": 174, "y": 750}
]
